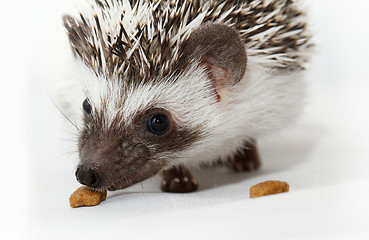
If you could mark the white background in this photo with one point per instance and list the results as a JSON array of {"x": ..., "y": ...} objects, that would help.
[{"x": 324, "y": 157}]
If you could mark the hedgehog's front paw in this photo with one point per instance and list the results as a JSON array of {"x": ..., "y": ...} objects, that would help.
[
  {"x": 179, "y": 185},
  {"x": 242, "y": 166},
  {"x": 246, "y": 159},
  {"x": 178, "y": 180}
]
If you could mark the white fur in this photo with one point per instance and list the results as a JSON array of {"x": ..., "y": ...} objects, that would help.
[
  {"x": 262, "y": 103},
  {"x": 179, "y": 95}
]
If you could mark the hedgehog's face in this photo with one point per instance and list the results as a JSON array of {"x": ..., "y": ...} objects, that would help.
[
  {"x": 133, "y": 131},
  {"x": 132, "y": 134}
]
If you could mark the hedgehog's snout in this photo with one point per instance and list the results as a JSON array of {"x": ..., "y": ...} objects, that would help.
[{"x": 87, "y": 176}]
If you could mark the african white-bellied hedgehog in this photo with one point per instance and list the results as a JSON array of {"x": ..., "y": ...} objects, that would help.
[{"x": 178, "y": 83}]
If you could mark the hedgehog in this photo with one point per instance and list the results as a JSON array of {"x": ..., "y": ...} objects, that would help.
[{"x": 173, "y": 85}]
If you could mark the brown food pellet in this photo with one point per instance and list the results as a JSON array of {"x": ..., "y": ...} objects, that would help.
[
  {"x": 268, "y": 188},
  {"x": 83, "y": 196}
]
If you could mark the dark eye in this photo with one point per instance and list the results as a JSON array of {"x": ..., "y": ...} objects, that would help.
[
  {"x": 87, "y": 106},
  {"x": 158, "y": 124}
]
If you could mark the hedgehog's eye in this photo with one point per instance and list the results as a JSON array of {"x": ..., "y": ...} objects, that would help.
[
  {"x": 158, "y": 124},
  {"x": 87, "y": 106}
]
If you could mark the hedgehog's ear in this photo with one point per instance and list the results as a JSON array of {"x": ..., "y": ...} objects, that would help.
[{"x": 220, "y": 50}]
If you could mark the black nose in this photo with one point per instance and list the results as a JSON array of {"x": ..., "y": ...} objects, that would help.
[{"x": 87, "y": 176}]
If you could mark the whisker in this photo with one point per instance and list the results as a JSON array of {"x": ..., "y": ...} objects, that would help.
[
  {"x": 69, "y": 140},
  {"x": 67, "y": 131},
  {"x": 68, "y": 154},
  {"x": 69, "y": 120}
]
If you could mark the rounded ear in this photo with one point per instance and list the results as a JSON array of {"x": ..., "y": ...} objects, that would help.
[{"x": 220, "y": 49}]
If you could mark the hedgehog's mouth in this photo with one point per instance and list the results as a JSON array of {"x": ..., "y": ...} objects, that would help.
[
  {"x": 122, "y": 184},
  {"x": 141, "y": 174},
  {"x": 119, "y": 185}
]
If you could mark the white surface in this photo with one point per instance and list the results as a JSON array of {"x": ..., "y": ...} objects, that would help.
[{"x": 324, "y": 157}]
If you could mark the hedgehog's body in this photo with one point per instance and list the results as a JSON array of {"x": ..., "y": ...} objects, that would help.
[{"x": 181, "y": 67}]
